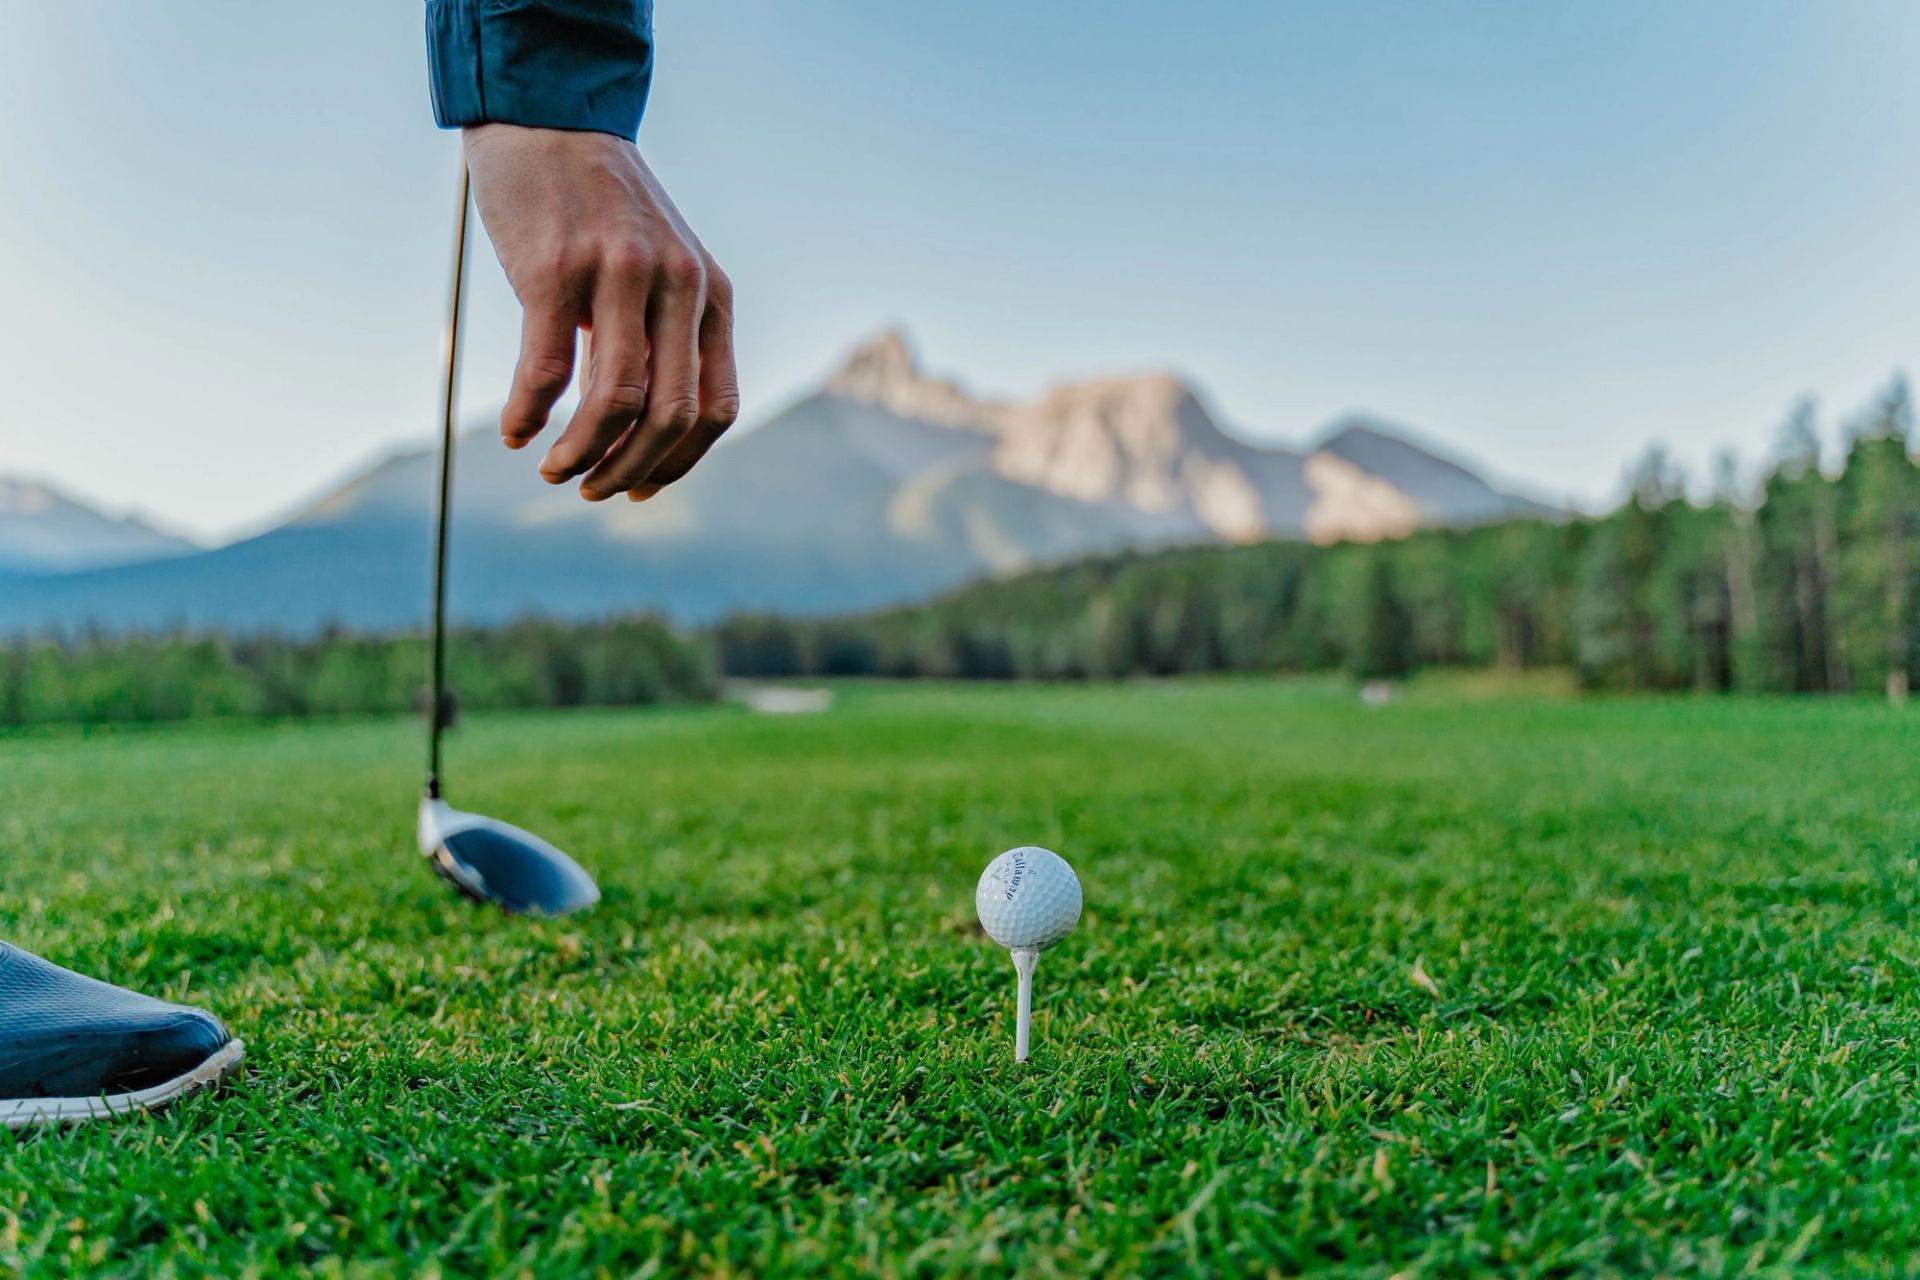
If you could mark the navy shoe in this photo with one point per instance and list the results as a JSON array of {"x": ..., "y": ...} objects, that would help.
[{"x": 72, "y": 1048}]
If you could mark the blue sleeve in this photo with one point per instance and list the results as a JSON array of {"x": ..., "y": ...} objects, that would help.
[{"x": 549, "y": 64}]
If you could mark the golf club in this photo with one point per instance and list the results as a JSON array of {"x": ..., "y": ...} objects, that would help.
[{"x": 484, "y": 858}]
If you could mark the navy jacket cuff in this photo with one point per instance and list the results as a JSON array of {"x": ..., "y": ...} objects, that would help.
[{"x": 546, "y": 64}]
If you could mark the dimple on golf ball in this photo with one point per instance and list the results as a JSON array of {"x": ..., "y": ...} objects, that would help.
[{"x": 1028, "y": 898}]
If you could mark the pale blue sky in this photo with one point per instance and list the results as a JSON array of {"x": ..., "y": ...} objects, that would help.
[{"x": 1543, "y": 234}]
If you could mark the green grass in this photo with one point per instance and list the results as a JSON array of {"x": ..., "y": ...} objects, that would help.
[{"x": 1549, "y": 986}]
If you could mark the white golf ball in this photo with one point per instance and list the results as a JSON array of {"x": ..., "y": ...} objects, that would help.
[{"x": 1028, "y": 898}]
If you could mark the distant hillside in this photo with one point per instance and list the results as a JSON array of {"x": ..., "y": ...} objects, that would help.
[
  {"x": 43, "y": 530},
  {"x": 885, "y": 486}
]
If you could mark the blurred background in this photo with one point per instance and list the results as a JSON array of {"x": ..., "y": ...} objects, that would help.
[{"x": 1079, "y": 340}]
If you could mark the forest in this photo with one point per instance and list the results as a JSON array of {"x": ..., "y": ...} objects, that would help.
[
  {"x": 98, "y": 679},
  {"x": 1803, "y": 580},
  {"x": 1800, "y": 581}
]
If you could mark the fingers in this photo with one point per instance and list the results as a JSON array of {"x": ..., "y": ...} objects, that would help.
[
  {"x": 672, "y": 379},
  {"x": 719, "y": 390},
  {"x": 545, "y": 369},
  {"x": 590, "y": 242},
  {"x": 659, "y": 385},
  {"x": 616, "y": 392}
]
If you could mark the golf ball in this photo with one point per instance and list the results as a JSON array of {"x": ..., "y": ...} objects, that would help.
[{"x": 1028, "y": 898}]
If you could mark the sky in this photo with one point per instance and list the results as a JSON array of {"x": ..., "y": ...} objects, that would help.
[{"x": 1544, "y": 236}]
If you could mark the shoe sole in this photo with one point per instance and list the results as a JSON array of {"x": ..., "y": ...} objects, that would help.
[{"x": 21, "y": 1112}]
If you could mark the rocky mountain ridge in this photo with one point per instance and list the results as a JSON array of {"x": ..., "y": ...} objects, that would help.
[{"x": 886, "y": 485}]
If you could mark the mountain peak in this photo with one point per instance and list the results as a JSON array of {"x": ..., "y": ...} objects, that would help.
[
  {"x": 27, "y": 497},
  {"x": 1354, "y": 427},
  {"x": 1160, "y": 392},
  {"x": 1141, "y": 441},
  {"x": 1374, "y": 446},
  {"x": 43, "y": 530},
  {"x": 887, "y": 356},
  {"x": 1435, "y": 482},
  {"x": 882, "y": 371}
]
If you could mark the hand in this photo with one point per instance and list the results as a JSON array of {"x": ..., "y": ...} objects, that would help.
[{"x": 590, "y": 241}]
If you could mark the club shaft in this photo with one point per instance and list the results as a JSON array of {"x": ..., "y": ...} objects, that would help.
[{"x": 436, "y": 711}]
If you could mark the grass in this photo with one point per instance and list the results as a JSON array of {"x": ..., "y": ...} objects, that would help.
[{"x": 1463, "y": 983}]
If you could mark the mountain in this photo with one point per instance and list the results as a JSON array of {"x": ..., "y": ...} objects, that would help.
[
  {"x": 1433, "y": 484},
  {"x": 43, "y": 530},
  {"x": 1148, "y": 443},
  {"x": 884, "y": 486}
]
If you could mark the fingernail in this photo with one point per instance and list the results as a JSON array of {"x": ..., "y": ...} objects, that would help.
[{"x": 644, "y": 492}]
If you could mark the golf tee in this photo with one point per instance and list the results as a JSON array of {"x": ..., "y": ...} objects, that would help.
[{"x": 1023, "y": 962}]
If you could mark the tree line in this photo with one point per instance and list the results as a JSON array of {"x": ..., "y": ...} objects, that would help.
[
  {"x": 97, "y": 678},
  {"x": 1806, "y": 581}
]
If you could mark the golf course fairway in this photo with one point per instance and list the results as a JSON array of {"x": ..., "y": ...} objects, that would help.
[{"x": 1476, "y": 979}]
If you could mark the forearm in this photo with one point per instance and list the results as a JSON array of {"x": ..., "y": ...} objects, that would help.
[{"x": 545, "y": 64}]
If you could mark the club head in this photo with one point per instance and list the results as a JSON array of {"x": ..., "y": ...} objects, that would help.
[{"x": 492, "y": 861}]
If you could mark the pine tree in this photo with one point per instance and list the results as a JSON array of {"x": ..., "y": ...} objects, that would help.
[
  {"x": 1879, "y": 496},
  {"x": 1383, "y": 648}
]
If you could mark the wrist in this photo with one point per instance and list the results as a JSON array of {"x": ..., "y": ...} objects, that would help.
[{"x": 496, "y": 134}]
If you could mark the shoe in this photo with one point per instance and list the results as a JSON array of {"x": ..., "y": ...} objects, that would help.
[{"x": 75, "y": 1049}]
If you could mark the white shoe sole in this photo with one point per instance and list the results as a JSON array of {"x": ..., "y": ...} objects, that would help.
[{"x": 18, "y": 1113}]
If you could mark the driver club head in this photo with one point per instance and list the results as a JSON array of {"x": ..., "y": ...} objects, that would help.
[{"x": 493, "y": 861}]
